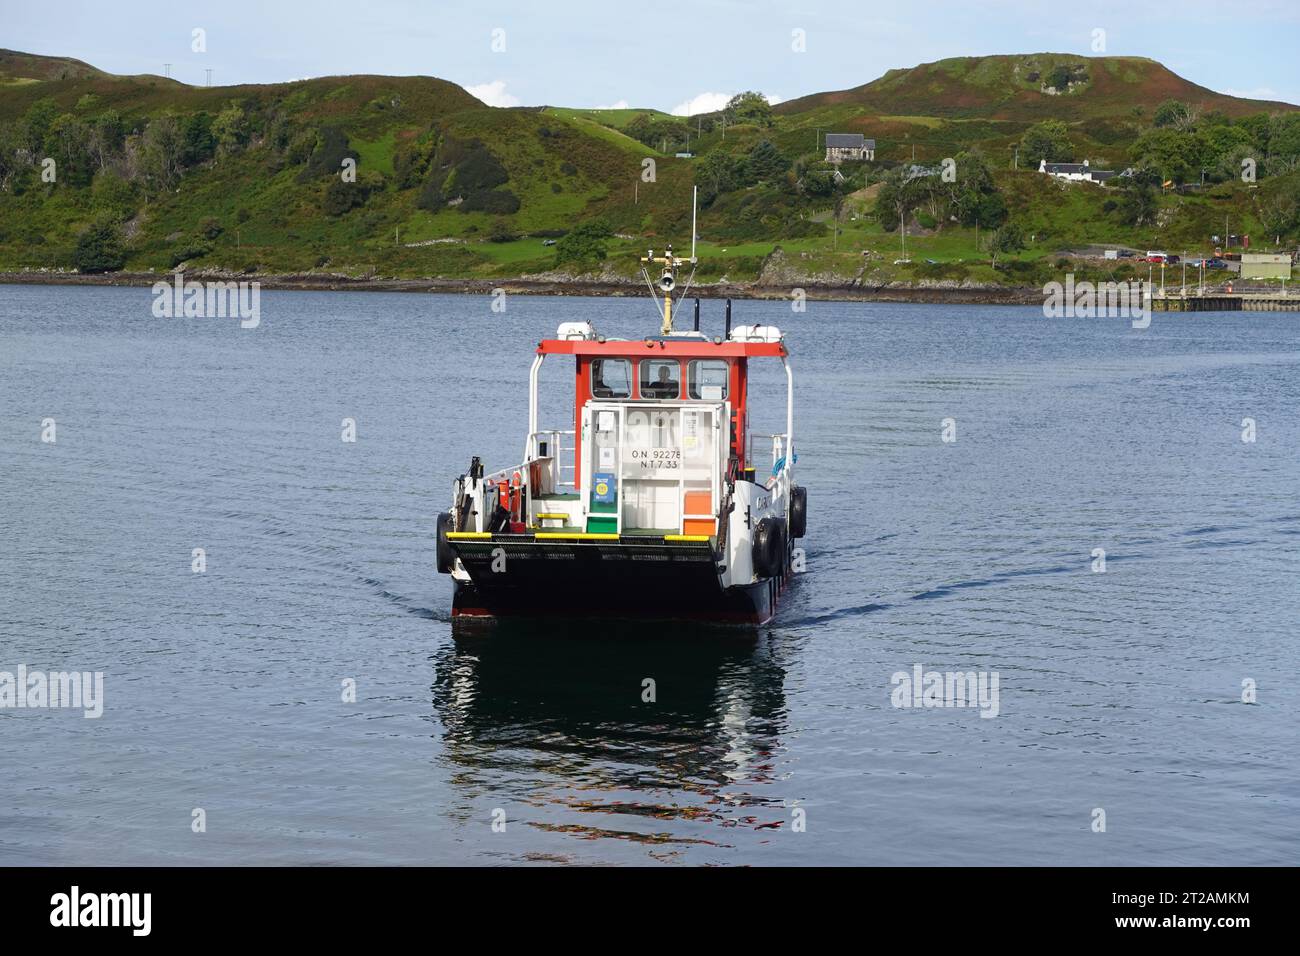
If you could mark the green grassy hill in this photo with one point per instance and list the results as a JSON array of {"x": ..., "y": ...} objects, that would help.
[{"x": 153, "y": 174}]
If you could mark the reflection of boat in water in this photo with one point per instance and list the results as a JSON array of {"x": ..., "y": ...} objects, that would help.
[
  {"x": 651, "y": 503},
  {"x": 556, "y": 707}
]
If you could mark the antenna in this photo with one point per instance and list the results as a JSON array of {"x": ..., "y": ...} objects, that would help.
[
  {"x": 695, "y": 202},
  {"x": 668, "y": 276}
]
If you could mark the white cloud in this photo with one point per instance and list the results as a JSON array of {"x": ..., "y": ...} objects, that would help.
[
  {"x": 493, "y": 94},
  {"x": 712, "y": 102},
  {"x": 620, "y": 105},
  {"x": 704, "y": 103}
]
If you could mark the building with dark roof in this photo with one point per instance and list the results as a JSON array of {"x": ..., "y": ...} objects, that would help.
[{"x": 849, "y": 146}]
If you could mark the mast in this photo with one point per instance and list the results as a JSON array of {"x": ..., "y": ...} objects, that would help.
[{"x": 668, "y": 275}]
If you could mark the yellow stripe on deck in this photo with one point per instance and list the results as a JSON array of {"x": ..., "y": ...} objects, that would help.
[
  {"x": 574, "y": 536},
  {"x": 470, "y": 535},
  {"x": 686, "y": 537}
]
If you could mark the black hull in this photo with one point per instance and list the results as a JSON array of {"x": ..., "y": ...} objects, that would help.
[{"x": 590, "y": 580}]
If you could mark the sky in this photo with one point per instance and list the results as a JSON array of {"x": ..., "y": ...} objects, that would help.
[{"x": 681, "y": 57}]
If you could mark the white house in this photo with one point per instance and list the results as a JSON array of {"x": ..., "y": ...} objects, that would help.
[{"x": 1075, "y": 172}]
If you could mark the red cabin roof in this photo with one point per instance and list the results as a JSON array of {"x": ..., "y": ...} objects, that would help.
[{"x": 682, "y": 347}]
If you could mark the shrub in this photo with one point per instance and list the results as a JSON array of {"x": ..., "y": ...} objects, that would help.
[
  {"x": 100, "y": 249},
  {"x": 584, "y": 244},
  {"x": 341, "y": 197},
  {"x": 327, "y": 155}
]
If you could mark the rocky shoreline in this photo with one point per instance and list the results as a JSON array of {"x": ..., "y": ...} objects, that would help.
[{"x": 939, "y": 292}]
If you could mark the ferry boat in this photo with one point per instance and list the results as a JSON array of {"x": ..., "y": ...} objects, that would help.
[{"x": 653, "y": 505}]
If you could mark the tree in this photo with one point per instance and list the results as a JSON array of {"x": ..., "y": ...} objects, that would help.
[
  {"x": 1049, "y": 140},
  {"x": 107, "y": 138},
  {"x": 231, "y": 128},
  {"x": 1280, "y": 212},
  {"x": 1284, "y": 135},
  {"x": 198, "y": 140},
  {"x": 584, "y": 244},
  {"x": 67, "y": 142},
  {"x": 657, "y": 131},
  {"x": 10, "y": 143},
  {"x": 973, "y": 194},
  {"x": 749, "y": 107},
  {"x": 819, "y": 179},
  {"x": 161, "y": 151},
  {"x": 900, "y": 194},
  {"x": 1137, "y": 201},
  {"x": 716, "y": 173},
  {"x": 1005, "y": 240},
  {"x": 1170, "y": 113},
  {"x": 99, "y": 249},
  {"x": 38, "y": 119},
  {"x": 765, "y": 162},
  {"x": 1175, "y": 155}
]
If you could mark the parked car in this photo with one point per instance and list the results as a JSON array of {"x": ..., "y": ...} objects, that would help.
[
  {"x": 1127, "y": 253},
  {"x": 1173, "y": 260},
  {"x": 1215, "y": 263}
]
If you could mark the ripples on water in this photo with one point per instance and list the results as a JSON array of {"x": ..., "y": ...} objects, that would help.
[{"x": 1118, "y": 690}]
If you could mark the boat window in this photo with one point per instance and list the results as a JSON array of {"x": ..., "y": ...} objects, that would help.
[
  {"x": 707, "y": 379},
  {"x": 611, "y": 378},
  {"x": 660, "y": 378}
]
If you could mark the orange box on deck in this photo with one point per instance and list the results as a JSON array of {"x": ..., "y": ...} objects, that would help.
[{"x": 698, "y": 503}]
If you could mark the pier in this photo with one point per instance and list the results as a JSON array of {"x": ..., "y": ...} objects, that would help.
[{"x": 1225, "y": 302}]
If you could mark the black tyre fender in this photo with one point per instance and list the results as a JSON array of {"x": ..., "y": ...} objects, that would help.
[
  {"x": 798, "y": 511},
  {"x": 446, "y": 553},
  {"x": 769, "y": 547}
]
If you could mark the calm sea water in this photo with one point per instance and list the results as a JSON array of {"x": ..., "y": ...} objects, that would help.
[{"x": 1120, "y": 691}]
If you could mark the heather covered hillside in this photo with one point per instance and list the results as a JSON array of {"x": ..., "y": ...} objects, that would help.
[{"x": 414, "y": 177}]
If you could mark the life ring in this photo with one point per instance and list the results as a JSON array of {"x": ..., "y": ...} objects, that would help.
[{"x": 516, "y": 505}]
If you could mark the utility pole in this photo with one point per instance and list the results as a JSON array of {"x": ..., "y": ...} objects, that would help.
[
  {"x": 636, "y": 192},
  {"x": 208, "y": 71},
  {"x": 1015, "y": 162},
  {"x": 167, "y": 70}
]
